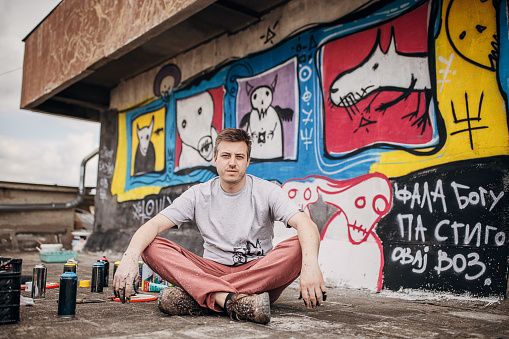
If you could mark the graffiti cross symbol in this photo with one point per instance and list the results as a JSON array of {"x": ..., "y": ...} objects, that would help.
[
  {"x": 307, "y": 137},
  {"x": 445, "y": 71},
  {"x": 468, "y": 119}
]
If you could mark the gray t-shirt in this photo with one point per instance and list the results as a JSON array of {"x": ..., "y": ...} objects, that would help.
[{"x": 238, "y": 227}]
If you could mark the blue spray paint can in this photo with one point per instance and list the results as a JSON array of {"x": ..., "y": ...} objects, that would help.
[
  {"x": 67, "y": 295},
  {"x": 97, "y": 277}
]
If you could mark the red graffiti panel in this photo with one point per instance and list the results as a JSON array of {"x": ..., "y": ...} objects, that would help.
[{"x": 376, "y": 86}]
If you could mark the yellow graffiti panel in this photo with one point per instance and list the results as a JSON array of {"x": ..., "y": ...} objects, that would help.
[
  {"x": 153, "y": 124},
  {"x": 119, "y": 176},
  {"x": 467, "y": 91}
]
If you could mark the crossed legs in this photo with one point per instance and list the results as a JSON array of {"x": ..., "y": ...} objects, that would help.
[{"x": 203, "y": 278}]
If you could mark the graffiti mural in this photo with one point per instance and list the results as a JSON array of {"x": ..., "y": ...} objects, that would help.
[
  {"x": 349, "y": 237},
  {"x": 448, "y": 230},
  {"x": 198, "y": 121},
  {"x": 388, "y": 127},
  {"x": 382, "y": 83},
  {"x": 272, "y": 127}
]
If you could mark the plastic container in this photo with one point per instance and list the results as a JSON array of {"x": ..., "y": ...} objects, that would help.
[
  {"x": 50, "y": 247},
  {"x": 10, "y": 288},
  {"x": 59, "y": 256}
]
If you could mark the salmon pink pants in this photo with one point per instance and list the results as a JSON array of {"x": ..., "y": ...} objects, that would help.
[{"x": 202, "y": 278}]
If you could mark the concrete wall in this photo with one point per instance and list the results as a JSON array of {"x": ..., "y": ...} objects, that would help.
[
  {"x": 386, "y": 123},
  {"x": 21, "y": 229}
]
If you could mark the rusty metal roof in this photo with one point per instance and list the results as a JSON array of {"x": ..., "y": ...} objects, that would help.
[{"x": 84, "y": 48}]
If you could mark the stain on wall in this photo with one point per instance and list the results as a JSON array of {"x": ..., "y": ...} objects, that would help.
[{"x": 388, "y": 127}]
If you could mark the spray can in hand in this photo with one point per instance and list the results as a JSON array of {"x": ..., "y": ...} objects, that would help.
[{"x": 67, "y": 295}]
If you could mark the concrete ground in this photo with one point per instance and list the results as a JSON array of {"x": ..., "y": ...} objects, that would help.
[{"x": 347, "y": 313}]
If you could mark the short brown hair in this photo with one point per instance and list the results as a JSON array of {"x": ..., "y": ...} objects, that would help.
[{"x": 233, "y": 135}]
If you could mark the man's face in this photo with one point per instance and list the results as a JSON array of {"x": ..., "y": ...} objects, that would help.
[{"x": 231, "y": 163}]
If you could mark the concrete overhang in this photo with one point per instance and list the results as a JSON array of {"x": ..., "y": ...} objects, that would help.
[{"x": 84, "y": 48}]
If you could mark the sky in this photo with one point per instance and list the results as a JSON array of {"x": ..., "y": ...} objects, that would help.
[{"x": 35, "y": 147}]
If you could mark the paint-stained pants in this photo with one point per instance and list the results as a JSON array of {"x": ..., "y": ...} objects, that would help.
[{"x": 202, "y": 278}]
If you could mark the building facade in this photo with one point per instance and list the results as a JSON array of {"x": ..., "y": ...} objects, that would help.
[{"x": 385, "y": 121}]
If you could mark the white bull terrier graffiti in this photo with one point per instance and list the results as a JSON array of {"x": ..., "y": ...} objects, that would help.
[
  {"x": 380, "y": 71},
  {"x": 198, "y": 135},
  {"x": 351, "y": 253}
]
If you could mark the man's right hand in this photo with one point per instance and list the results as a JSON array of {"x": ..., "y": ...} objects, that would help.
[
  {"x": 126, "y": 276},
  {"x": 128, "y": 272}
]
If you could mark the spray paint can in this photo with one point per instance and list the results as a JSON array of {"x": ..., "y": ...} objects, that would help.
[
  {"x": 140, "y": 271},
  {"x": 97, "y": 277},
  {"x": 147, "y": 274},
  {"x": 39, "y": 282},
  {"x": 115, "y": 266},
  {"x": 70, "y": 267},
  {"x": 74, "y": 261},
  {"x": 106, "y": 270},
  {"x": 67, "y": 295}
]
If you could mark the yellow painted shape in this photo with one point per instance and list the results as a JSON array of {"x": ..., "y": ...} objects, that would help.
[
  {"x": 490, "y": 133},
  {"x": 119, "y": 175},
  {"x": 156, "y": 139}
]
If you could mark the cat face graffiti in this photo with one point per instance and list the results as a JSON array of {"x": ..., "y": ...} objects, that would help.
[
  {"x": 144, "y": 135},
  {"x": 261, "y": 99}
]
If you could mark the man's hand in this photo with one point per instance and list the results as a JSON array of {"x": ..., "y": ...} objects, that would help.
[
  {"x": 312, "y": 287},
  {"x": 126, "y": 276}
]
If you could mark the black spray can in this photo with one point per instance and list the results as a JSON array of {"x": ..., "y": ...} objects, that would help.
[
  {"x": 106, "y": 270},
  {"x": 67, "y": 295},
  {"x": 39, "y": 282},
  {"x": 97, "y": 277}
]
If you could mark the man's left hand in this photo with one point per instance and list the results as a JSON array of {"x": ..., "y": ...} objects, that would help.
[{"x": 312, "y": 287}]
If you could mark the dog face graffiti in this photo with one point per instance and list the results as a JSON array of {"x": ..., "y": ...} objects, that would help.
[
  {"x": 361, "y": 201},
  {"x": 349, "y": 233},
  {"x": 375, "y": 80},
  {"x": 195, "y": 129}
]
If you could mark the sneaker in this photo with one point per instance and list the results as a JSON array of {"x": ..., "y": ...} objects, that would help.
[
  {"x": 175, "y": 301},
  {"x": 252, "y": 307}
]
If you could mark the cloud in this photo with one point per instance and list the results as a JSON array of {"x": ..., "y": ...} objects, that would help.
[
  {"x": 35, "y": 147},
  {"x": 48, "y": 161}
]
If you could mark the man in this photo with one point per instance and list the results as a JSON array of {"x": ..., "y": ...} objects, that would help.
[{"x": 239, "y": 273}]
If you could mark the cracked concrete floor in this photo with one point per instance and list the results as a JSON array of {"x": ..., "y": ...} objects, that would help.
[{"x": 347, "y": 313}]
